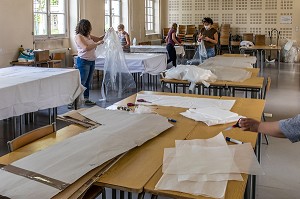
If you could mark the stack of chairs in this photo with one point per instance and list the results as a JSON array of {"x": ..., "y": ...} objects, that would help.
[
  {"x": 191, "y": 31},
  {"x": 224, "y": 38},
  {"x": 181, "y": 32}
]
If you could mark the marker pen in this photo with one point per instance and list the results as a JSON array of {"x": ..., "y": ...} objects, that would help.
[
  {"x": 233, "y": 140},
  {"x": 171, "y": 120}
]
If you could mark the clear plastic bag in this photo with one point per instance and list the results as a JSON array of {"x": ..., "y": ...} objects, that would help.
[
  {"x": 199, "y": 56},
  {"x": 290, "y": 51},
  {"x": 117, "y": 82}
]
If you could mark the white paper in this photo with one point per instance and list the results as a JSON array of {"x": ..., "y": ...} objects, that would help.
[{"x": 184, "y": 102}]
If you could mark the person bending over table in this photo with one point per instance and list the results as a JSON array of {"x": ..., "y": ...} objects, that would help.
[
  {"x": 171, "y": 40},
  {"x": 86, "y": 45},
  {"x": 124, "y": 38},
  {"x": 209, "y": 35},
  {"x": 287, "y": 128}
]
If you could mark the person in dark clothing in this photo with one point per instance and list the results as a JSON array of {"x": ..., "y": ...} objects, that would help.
[{"x": 171, "y": 40}]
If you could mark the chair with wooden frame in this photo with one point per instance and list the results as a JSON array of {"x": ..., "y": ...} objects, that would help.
[
  {"x": 165, "y": 32},
  {"x": 248, "y": 37},
  {"x": 266, "y": 90},
  {"x": 190, "y": 33},
  {"x": 145, "y": 43},
  {"x": 181, "y": 32},
  {"x": 30, "y": 137}
]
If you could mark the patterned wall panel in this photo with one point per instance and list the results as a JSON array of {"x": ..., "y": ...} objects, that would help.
[
  {"x": 199, "y": 4},
  {"x": 286, "y": 33},
  {"x": 271, "y": 5},
  {"x": 257, "y": 16}
]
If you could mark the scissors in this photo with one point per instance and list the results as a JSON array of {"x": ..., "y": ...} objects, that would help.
[
  {"x": 236, "y": 125},
  {"x": 142, "y": 100}
]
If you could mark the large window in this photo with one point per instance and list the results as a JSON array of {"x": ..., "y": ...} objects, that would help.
[
  {"x": 149, "y": 16},
  {"x": 112, "y": 13},
  {"x": 50, "y": 18}
]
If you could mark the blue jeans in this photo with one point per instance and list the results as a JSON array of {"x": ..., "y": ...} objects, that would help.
[
  {"x": 86, "y": 69},
  {"x": 210, "y": 53}
]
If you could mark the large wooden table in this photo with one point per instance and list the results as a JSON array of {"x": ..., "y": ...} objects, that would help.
[{"x": 139, "y": 169}]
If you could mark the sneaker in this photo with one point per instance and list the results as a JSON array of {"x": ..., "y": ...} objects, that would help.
[
  {"x": 71, "y": 106},
  {"x": 89, "y": 103}
]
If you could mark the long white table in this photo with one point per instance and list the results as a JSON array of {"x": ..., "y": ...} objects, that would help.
[
  {"x": 29, "y": 89},
  {"x": 155, "y": 49},
  {"x": 140, "y": 62}
]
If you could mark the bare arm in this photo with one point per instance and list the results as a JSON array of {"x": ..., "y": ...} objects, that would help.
[
  {"x": 127, "y": 40},
  {"x": 84, "y": 45},
  {"x": 174, "y": 39},
  {"x": 97, "y": 39},
  {"x": 268, "y": 128}
]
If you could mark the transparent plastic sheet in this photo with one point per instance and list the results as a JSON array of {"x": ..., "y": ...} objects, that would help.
[
  {"x": 289, "y": 51},
  {"x": 191, "y": 73},
  {"x": 199, "y": 56},
  {"x": 212, "y": 115},
  {"x": 117, "y": 82},
  {"x": 184, "y": 102},
  {"x": 228, "y": 73},
  {"x": 235, "y": 62}
]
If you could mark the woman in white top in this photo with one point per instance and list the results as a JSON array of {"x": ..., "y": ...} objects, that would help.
[{"x": 86, "y": 45}]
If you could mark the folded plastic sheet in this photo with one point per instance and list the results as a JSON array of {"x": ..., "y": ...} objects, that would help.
[
  {"x": 117, "y": 80},
  {"x": 211, "y": 115},
  {"x": 72, "y": 158},
  {"x": 199, "y": 56},
  {"x": 236, "y": 62},
  {"x": 229, "y": 73},
  {"x": 191, "y": 73},
  {"x": 184, "y": 102}
]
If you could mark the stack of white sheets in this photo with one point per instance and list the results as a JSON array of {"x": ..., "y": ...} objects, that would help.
[{"x": 203, "y": 167}]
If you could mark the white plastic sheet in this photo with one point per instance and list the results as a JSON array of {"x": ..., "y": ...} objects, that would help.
[
  {"x": 184, "y": 102},
  {"x": 199, "y": 56},
  {"x": 236, "y": 62},
  {"x": 117, "y": 80},
  {"x": 229, "y": 73},
  {"x": 212, "y": 115},
  {"x": 190, "y": 73}
]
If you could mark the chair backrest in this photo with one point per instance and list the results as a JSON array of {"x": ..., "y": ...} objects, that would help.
[
  {"x": 30, "y": 137},
  {"x": 248, "y": 37},
  {"x": 190, "y": 29},
  {"x": 182, "y": 29},
  {"x": 165, "y": 32},
  {"x": 200, "y": 27},
  {"x": 145, "y": 43},
  {"x": 215, "y": 26},
  {"x": 267, "y": 87},
  {"x": 260, "y": 40}
]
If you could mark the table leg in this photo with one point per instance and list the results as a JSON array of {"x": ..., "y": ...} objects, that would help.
[
  {"x": 114, "y": 194},
  {"x": 129, "y": 195},
  {"x": 154, "y": 196},
  {"x": 104, "y": 193},
  {"x": 122, "y": 194},
  {"x": 141, "y": 195}
]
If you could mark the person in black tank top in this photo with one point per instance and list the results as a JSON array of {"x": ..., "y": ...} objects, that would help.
[{"x": 209, "y": 35}]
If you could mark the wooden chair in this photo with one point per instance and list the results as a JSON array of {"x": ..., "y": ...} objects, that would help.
[
  {"x": 181, "y": 32},
  {"x": 145, "y": 43},
  {"x": 260, "y": 40},
  {"x": 266, "y": 90},
  {"x": 248, "y": 37},
  {"x": 215, "y": 26},
  {"x": 30, "y": 137},
  {"x": 190, "y": 33},
  {"x": 165, "y": 32}
]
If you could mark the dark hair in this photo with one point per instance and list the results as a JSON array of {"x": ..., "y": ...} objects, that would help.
[
  {"x": 174, "y": 26},
  {"x": 207, "y": 20},
  {"x": 121, "y": 26},
  {"x": 83, "y": 27}
]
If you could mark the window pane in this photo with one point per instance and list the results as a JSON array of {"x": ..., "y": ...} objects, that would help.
[
  {"x": 115, "y": 22},
  {"x": 39, "y": 6},
  {"x": 40, "y": 24},
  {"x": 150, "y": 11},
  {"x": 57, "y": 6},
  {"x": 107, "y": 11},
  {"x": 58, "y": 24},
  {"x": 115, "y": 7},
  {"x": 150, "y": 19},
  {"x": 107, "y": 22}
]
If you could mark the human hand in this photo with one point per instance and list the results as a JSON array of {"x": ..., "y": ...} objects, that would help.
[
  {"x": 100, "y": 42},
  {"x": 248, "y": 124}
]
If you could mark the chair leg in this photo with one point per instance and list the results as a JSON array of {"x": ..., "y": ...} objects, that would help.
[{"x": 267, "y": 139}]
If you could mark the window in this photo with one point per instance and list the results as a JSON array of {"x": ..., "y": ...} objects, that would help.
[
  {"x": 149, "y": 16},
  {"x": 112, "y": 13},
  {"x": 49, "y": 18}
]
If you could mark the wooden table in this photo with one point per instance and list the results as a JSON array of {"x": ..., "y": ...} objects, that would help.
[
  {"x": 261, "y": 49},
  {"x": 134, "y": 170},
  {"x": 253, "y": 84}
]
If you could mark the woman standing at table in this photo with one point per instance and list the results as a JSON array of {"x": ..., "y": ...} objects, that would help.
[
  {"x": 124, "y": 38},
  {"x": 86, "y": 45},
  {"x": 171, "y": 40},
  {"x": 209, "y": 35}
]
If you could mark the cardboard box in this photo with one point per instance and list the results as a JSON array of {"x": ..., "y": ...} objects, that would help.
[{"x": 41, "y": 55}]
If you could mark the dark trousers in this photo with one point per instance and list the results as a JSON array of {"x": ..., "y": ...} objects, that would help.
[{"x": 172, "y": 54}]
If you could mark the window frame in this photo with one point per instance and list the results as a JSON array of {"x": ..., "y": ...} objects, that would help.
[
  {"x": 152, "y": 31},
  {"x": 110, "y": 16},
  {"x": 48, "y": 25}
]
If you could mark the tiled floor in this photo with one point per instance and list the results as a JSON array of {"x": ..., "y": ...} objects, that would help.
[{"x": 280, "y": 159}]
